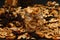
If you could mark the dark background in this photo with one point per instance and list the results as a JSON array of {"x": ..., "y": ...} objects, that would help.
[
  {"x": 1, "y": 2},
  {"x": 25, "y": 3},
  {"x": 32, "y": 2}
]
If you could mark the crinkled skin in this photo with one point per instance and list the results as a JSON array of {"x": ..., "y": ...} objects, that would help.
[{"x": 40, "y": 20}]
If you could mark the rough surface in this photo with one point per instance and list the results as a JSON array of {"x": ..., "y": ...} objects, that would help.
[{"x": 28, "y": 23}]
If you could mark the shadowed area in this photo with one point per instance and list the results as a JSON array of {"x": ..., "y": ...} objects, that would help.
[
  {"x": 2, "y": 3},
  {"x": 25, "y": 3}
]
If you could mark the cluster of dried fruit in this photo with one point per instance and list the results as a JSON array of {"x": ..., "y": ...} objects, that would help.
[{"x": 17, "y": 23}]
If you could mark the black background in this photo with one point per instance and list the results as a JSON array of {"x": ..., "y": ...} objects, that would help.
[
  {"x": 25, "y": 3},
  {"x": 1, "y": 2}
]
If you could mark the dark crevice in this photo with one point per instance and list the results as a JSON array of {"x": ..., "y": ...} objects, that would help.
[{"x": 49, "y": 17}]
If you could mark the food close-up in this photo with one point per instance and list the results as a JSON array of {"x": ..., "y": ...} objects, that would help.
[{"x": 29, "y": 20}]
